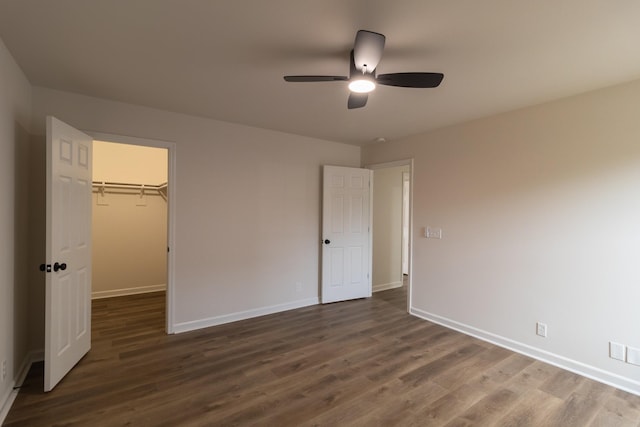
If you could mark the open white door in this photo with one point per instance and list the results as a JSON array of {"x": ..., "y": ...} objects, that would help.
[
  {"x": 68, "y": 276},
  {"x": 346, "y": 231}
]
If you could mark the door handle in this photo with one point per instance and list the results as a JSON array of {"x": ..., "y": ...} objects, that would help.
[
  {"x": 327, "y": 241},
  {"x": 57, "y": 266}
]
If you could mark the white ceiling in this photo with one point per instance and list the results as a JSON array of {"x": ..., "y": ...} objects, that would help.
[{"x": 225, "y": 59}]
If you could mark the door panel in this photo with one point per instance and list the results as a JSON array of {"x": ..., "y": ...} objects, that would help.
[
  {"x": 346, "y": 258},
  {"x": 68, "y": 237}
]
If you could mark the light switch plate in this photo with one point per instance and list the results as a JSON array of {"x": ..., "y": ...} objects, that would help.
[
  {"x": 633, "y": 355},
  {"x": 433, "y": 233},
  {"x": 616, "y": 350}
]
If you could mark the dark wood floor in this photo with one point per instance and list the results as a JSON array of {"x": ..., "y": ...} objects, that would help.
[{"x": 356, "y": 363}]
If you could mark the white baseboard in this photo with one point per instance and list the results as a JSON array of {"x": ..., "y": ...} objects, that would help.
[
  {"x": 386, "y": 286},
  {"x": 597, "y": 374},
  {"x": 128, "y": 291},
  {"x": 12, "y": 392},
  {"x": 242, "y": 315}
]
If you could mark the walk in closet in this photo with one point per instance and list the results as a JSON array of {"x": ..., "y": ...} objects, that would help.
[{"x": 129, "y": 219}]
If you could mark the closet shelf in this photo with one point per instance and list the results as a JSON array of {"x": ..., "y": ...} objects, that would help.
[
  {"x": 104, "y": 186},
  {"x": 127, "y": 186}
]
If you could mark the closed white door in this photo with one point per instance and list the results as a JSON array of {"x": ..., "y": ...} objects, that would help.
[
  {"x": 346, "y": 231},
  {"x": 68, "y": 276}
]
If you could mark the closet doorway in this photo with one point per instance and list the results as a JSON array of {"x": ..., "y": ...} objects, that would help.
[
  {"x": 130, "y": 221},
  {"x": 391, "y": 212}
]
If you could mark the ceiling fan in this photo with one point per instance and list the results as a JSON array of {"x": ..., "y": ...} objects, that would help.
[{"x": 365, "y": 56}]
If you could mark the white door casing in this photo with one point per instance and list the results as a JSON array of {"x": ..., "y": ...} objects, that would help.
[
  {"x": 346, "y": 234},
  {"x": 68, "y": 245},
  {"x": 405, "y": 222},
  {"x": 171, "y": 197}
]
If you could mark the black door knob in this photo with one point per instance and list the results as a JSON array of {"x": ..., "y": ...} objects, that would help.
[
  {"x": 57, "y": 266},
  {"x": 327, "y": 241}
]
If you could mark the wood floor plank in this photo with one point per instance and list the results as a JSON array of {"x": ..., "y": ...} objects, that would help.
[
  {"x": 357, "y": 363},
  {"x": 486, "y": 410},
  {"x": 534, "y": 408},
  {"x": 576, "y": 410},
  {"x": 623, "y": 406},
  {"x": 562, "y": 384}
]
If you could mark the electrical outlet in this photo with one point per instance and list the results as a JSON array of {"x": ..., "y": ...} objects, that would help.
[
  {"x": 541, "y": 329},
  {"x": 616, "y": 350},
  {"x": 4, "y": 370}
]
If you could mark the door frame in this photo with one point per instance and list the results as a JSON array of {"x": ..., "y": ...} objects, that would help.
[
  {"x": 385, "y": 165},
  {"x": 404, "y": 257},
  {"x": 171, "y": 208}
]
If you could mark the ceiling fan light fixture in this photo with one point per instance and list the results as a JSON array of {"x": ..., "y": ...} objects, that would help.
[
  {"x": 363, "y": 63},
  {"x": 362, "y": 85}
]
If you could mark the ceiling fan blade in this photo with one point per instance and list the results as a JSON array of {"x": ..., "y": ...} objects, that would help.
[
  {"x": 298, "y": 79},
  {"x": 357, "y": 100},
  {"x": 419, "y": 80},
  {"x": 367, "y": 50},
  {"x": 352, "y": 66}
]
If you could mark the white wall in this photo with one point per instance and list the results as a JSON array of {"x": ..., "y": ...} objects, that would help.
[
  {"x": 387, "y": 227},
  {"x": 540, "y": 211},
  {"x": 247, "y": 205},
  {"x": 129, "y": 231},
  {"x": 15, "y": 112},
  {"x": 133, "y": 164}
]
